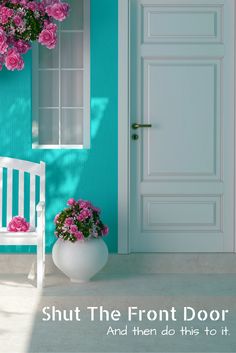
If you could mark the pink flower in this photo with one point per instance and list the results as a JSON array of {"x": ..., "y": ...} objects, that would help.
[
  {"x": 84, "y": 204},
  {"x": 73, "y": 229},
  {"x": 2, "y": 60},
  {"x": 5, "y": 14},
  {"x": 49, "y": 2},
  {"x": 85, "y": 213},
  {"x": 3, "y": 42},
  {"x": 18, "y": 224},
  {"x": 32, "y": 6},
  {"x": 22, "y": 46},
  {"x": 56, "y": 218},
  {"x": 48, "y": 36},
  {"x": 79, "y": 235},
  {"x": 80, "y": 218},
  {"x": 105, "y": 230},
  {"x": 71, "y": 202},
  {"x": 59, "y": 11},
  {"x": 69, "y": 221},
  {"x": 18, "y": 21},
  {"x": 95, "y": 209},
  {"x": 13, "y": 60}
]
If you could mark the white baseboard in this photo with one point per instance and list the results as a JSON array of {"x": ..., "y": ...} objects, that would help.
[{"x": 136, "y": 263}]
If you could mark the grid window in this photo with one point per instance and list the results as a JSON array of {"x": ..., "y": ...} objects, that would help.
[{"x": 61, "y": 85}]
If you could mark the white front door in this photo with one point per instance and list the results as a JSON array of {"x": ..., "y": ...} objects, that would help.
[{"x": 182, "y": 167}]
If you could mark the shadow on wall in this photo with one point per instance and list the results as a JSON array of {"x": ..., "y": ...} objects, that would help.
[{"x": 65, "y": 169}]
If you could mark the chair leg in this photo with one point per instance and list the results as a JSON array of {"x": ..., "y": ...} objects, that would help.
[
  {"x": 31, "y": 275},
  {"x": 40, "y": 265},
  {"x": 44, "y": 257}
]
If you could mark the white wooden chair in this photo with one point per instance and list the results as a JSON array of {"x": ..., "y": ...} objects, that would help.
[{"x": 36, "y": 234}]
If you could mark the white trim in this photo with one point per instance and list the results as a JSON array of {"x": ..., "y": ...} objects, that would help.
[
  {"x": 35, "y": 95},
  {"x": 123, "y": 129},
  {"x": 234, "y": 191},
  {"x": 86, "y": 78},
  {"x": 57, "y": 147}
]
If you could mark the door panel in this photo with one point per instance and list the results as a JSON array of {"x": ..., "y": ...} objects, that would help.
[
  {"x": 181, "y": 102},
  {"x": 184, "y": 23},
  {"x": 182, "y": 69}
]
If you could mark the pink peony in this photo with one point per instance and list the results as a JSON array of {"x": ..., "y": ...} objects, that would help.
[
  {"x": 80, "y": 218},
  {"x": 48, "y": 36},
  {"x": 18, "y": 21},
  {"x": 105, "y": 230},
  {"x": 18, "y": 224},
  {"x": 85, "y": 213},
  {"x": 95, "y": 209},
  {"x": 69, "y": 221},
  {"x": 84, "y": 204},
  {"x": 3, "y": 42},
  {"x": 22, "y": 46},
  {"x": 71, "y": 202},
  {"x": 49, "y": 2},
  {"x": 2, "y": 60},
  {"x": 59, "y": 11},
  {"x": 73, "y": 229},
  {"x": 79, "y": 235},
  {"x": 56, "y": 218},
  {"x": 24, "y": 2},
  {"x": 13, "y": 60},
  {"x": 32, "y": 5}
]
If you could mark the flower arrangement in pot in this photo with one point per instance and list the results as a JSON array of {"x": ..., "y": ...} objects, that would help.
[
  {"x": 80, "y": 251},
  {"x": 26, "y": 21}
]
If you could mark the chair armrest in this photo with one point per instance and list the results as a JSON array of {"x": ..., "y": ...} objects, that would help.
[
  {"x": 40, "y": 209},
  {"x": 40, "y": 206}
]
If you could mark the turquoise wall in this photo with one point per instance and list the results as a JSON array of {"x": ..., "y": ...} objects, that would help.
[{"x": 89, "y": 174}]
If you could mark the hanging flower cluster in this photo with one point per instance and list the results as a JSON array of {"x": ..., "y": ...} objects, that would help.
[
  {"x": 80, "y": 221},
  {"x": 25, "y": 21}
]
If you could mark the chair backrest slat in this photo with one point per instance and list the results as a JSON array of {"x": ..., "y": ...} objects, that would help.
[
  {"x": 42, "y": 181},
  {"x": 1, "y": 194},
  {"x": 26, "y": 166},
  {"x": 25, "y": 187},
  {"x": 21, "y": 194},
  {"x": 9, "y": 194},
  {"x": 32, "y": 199}
]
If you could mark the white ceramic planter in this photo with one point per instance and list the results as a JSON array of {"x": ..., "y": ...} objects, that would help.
[{"x": 81, "y": 260}]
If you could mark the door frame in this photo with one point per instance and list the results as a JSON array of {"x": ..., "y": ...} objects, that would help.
[{"x": 124, "y": 127}]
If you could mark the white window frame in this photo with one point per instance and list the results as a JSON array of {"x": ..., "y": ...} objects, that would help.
[{"x": 86, "y": 90}]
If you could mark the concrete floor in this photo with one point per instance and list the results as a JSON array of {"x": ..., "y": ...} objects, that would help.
[{"x": 22, "y": 329}]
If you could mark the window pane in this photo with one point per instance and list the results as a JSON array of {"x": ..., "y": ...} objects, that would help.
[
  {"x": 75, "y": 19},
  {"x": 48, "y": 58},
  {"x": 72, "y": 88},
  {"x": 48, "y": 126},
  {"x": 71, "y": 50},
  {"x": 72, "y": 127},
  {"x": 48, "y": 88}
]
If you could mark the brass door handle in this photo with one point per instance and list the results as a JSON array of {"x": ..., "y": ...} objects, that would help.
[{"x": 138, "y": 126}]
